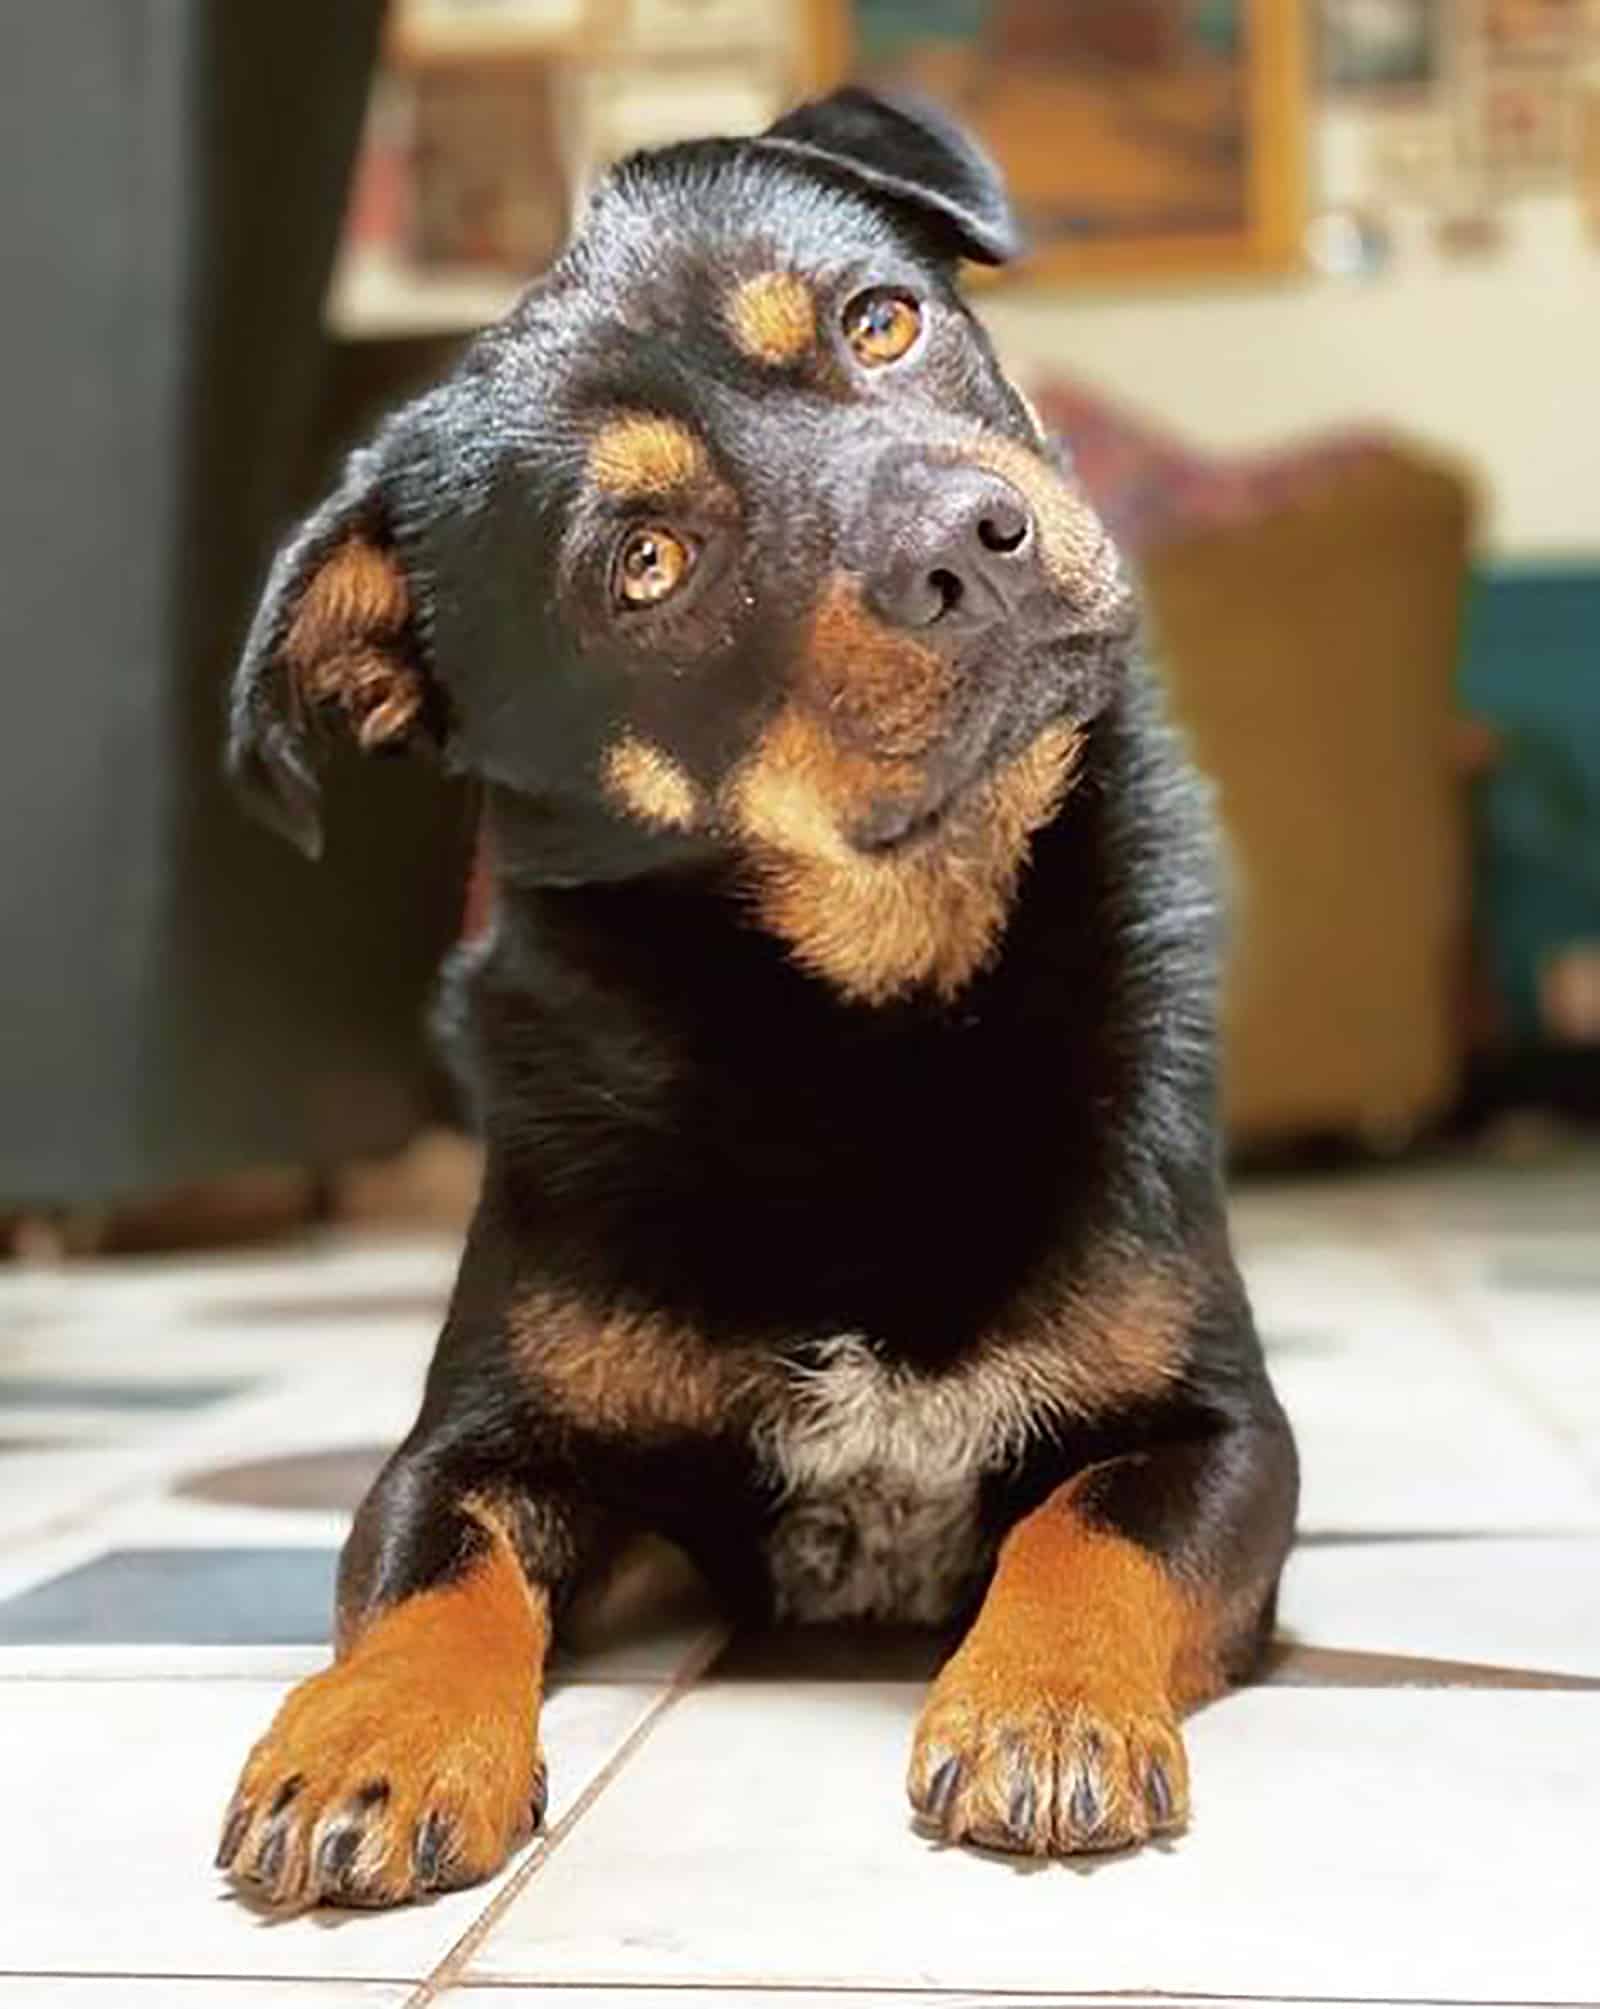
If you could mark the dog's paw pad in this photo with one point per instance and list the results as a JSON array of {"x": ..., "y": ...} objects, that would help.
[{"x": 1034, "y": 1768}]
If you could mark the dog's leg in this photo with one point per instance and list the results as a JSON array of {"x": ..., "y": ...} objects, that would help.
[
  {"x": 1136, "y": 1590},
  {"x": 413, "y": 1764}
]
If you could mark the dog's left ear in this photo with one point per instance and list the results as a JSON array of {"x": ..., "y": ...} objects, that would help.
[
  {"x": 334, "y": 637},
  {"x": 906, "y": 149}
]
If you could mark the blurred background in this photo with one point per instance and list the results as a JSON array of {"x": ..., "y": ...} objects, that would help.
[{"x": 1313, "y": 299}]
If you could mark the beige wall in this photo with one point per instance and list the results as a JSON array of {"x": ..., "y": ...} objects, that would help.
[{"x": 1497, "y": 362}]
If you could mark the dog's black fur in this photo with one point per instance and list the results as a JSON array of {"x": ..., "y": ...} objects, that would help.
[{"x": 717, "y": 1152}]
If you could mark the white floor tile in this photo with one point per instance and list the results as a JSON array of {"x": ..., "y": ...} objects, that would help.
[
  {"x": 1528, "y": 1604},
  {"x": 1439, "y": 1454},
  {"x": 124, "y": 1788},
  {"x": 1387, "y": 1845}
]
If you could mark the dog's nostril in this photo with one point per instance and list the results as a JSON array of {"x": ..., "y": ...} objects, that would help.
[
  {"x": 1004, "y": 530},
  {"x": 949, "y": 589}
]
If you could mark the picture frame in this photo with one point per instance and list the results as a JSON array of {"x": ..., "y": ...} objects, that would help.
[
  {"x": 1382, "y": 50},
  {"x": 1188, "y": 120}
]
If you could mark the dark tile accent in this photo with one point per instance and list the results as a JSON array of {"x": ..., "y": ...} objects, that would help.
[
  {"x": 43, "y": 1391},
  {"x": 330, "y": 1480},
  {"x": 1290, "y": 1665},
  {"x": 180, "y": 1597}
]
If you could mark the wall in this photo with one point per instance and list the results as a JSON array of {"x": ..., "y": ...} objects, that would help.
[{"x": 1496, "y": 362}]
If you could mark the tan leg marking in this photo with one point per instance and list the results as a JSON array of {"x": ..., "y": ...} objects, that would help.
[
  {"x": 345, "y": 643},
  {"x": 773, "y": 318},
  {"x": 410, "y": 1765},
  {"x": 1054, "y": 1727},
  {"x": 650, "y": 785}
]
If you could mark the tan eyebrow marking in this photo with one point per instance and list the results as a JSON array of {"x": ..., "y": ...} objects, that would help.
[
  {"x": 773, "y": 317},
  {"x": 650, "y": 784},
  {"x": 643, "y": 453}
]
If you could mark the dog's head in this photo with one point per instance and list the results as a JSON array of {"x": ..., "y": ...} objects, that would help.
[{"x": 730, "y": 546}]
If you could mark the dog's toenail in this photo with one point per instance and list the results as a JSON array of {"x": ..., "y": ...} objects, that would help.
[
  {"x": 284, "y": 1795},
  {"x": 335, "y": 1854},
  {"x": 433, "y": 1847},
  {"x": 942, "y": 1787},
  {"x": 1024, "y": 1801},
  {"x": 270, "y": 1860},
  {"x": 232, "y": 1834},
  {"x": 1084, "y": 1806},
  {"x": 1157, "y": 1791}
]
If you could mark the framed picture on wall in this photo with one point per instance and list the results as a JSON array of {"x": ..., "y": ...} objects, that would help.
[
  {"x": 1139, "y": 137},
  {"x": 1381, "y": 48}
]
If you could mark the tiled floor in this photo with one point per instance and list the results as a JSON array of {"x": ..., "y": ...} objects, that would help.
[{"x": 1404, "y": 1811}]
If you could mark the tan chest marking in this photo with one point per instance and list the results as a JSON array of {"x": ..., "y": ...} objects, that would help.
[{"x": 879, "y": 1466}]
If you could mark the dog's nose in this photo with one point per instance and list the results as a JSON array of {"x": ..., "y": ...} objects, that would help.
[{"x": 960, "y": 561}]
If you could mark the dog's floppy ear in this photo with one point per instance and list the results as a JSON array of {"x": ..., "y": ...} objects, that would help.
[
  {"x": 334, "y": 637},
  {"x": 905, "y": 148}
]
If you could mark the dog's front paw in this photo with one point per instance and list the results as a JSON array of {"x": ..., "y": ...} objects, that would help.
[
  {"x": 1035, "y": 1762},
  {"x": 383, "y": 1780}
]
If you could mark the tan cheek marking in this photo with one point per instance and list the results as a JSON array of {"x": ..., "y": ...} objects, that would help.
[
  {"x": 876, "y": 928},
  {"x": 628, "y": 1373},
  {"x": 344, "y": 645},
  {"x": 650, "y": 785},
  {"x": 1076, "y": 551},
  {"x": 894, "y": 689},
  {"x": 644, "y": 454},
  {"x": 773, "y": 318}
]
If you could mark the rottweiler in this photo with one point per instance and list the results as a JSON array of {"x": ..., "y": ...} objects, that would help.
[{"x": 843, "y": 1044}]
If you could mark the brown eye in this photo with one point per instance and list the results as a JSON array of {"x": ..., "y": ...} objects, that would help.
[
  {"x": 653, "y": 563},
  {"x": 881, "y": 326}
]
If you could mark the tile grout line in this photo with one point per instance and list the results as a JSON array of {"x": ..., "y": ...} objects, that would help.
[{"x": 449, "y": 1968}]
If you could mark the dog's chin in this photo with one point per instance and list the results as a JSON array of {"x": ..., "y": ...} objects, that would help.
[{"x": 1067, "y": 678}]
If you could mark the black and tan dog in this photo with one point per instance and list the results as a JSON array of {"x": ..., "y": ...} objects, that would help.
[{"x": 844, "y": 1043}]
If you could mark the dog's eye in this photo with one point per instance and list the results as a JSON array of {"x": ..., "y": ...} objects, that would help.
[
  {"x": 652, "y": 563},
  {"x": 881, "y": 326}
]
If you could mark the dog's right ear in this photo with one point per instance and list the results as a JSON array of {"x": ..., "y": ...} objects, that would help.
[{"x": 334, "y": 638}]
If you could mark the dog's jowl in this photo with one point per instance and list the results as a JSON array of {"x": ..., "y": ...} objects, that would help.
[{"x": 844, "y": 1038}]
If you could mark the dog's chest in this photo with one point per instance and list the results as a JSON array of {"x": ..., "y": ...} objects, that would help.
[{"x": 881, "y": 1471}]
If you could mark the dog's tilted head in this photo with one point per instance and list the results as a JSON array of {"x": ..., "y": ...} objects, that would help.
[{"x": 731, "y": 546}]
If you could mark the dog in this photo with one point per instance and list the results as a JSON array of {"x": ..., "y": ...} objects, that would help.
[{"x": 844, "y": 1043}]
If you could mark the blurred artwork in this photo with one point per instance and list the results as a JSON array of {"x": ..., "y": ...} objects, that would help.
[
  {"x": 1522, "y": 128},
  {"x": 1135, "y": 134},
  {"x": 1381, "y": 45},
  {"x": 1534, "y": 29},
  {"x": 489, "y": 183}
]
